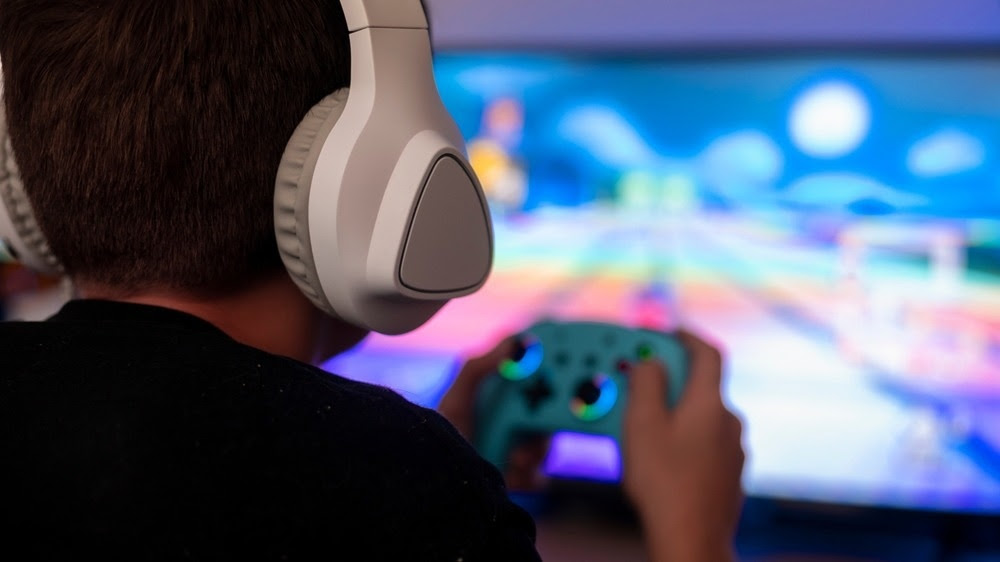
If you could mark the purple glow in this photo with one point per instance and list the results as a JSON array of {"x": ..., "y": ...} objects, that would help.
[
  {"x": 591, "y": 457},
  {"x": 420, "y": 377},
  {"x": 654, "y": 23}
]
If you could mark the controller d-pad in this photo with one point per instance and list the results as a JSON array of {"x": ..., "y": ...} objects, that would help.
[{"x": 537, "y": 393}]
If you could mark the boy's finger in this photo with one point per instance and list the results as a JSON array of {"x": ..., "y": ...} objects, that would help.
[
  {"x": 705, "y": 364},
  {"x": 647, "y": 396}
]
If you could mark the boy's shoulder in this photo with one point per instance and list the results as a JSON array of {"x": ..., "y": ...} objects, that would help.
[
  {"x": 129, "y": 348},
  {"x": 156, "y": 409}
]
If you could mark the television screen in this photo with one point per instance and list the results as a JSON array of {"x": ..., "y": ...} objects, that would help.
[{"x": 832, "y": 221}]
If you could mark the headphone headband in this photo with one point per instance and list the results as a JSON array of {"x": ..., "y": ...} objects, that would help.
[{"x": 400, "y": 14}]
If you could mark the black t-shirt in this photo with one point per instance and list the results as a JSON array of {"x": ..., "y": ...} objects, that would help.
[{"x": 144, "y": 433}]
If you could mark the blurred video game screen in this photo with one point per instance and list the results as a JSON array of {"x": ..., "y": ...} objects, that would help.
[{"x": 832, "y": 221}]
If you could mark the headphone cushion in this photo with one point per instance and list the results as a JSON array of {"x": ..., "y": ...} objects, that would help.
[
  {"x": 291, "y": 195},
  {"x": 17, "y": 206}
]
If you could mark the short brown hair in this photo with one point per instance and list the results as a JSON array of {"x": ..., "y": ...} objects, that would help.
[{"x": 149, "y": 133}]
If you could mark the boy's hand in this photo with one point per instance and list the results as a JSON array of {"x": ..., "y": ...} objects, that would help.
[
  {"x": 683, "y": 466},
  {"x": 459, "y": 407}
]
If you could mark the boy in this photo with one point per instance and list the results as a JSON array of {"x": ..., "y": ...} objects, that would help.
[{"x": 171, "y": 412}]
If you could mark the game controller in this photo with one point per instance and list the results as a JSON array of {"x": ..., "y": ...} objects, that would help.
[{"x": 569, "y": 377}]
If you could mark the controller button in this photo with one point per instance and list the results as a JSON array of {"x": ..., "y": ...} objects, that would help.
[
  {"x": 562, "y": 359},
  {"x": 537, "y": 393},
  {"x": 624, "y": 366},
  {"x": 590, "y": 361},
  {"x": 646, "y": 352}
]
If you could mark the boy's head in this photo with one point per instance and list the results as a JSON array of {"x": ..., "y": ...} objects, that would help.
[{"x": 149, "y": 134}]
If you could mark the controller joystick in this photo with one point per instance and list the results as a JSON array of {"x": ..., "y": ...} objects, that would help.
[
  {"x": 569, "y": 377},
  {"x": 588, "y": 393},
  {"x": 525, "y": 360},
  {"x": 594, "y": 398}
]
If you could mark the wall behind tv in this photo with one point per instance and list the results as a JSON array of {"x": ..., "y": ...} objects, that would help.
[{"x": 706, "y": 23}]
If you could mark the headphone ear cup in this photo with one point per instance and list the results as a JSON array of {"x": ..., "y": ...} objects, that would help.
[{"x": 291, "y": 195}]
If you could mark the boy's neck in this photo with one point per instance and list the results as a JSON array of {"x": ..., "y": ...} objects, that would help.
[{"x": 270, "y": 314}]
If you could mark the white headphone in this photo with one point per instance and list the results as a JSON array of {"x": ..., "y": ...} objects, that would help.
[{"x": 379, "y": 218}]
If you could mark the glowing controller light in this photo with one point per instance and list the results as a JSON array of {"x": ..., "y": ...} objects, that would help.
[
  {"x": 830, "y": 120},
  {"x": 527, "y": 365}
]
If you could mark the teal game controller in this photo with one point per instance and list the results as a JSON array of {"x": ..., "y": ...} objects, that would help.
[{"x": 569, "y": 377}]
